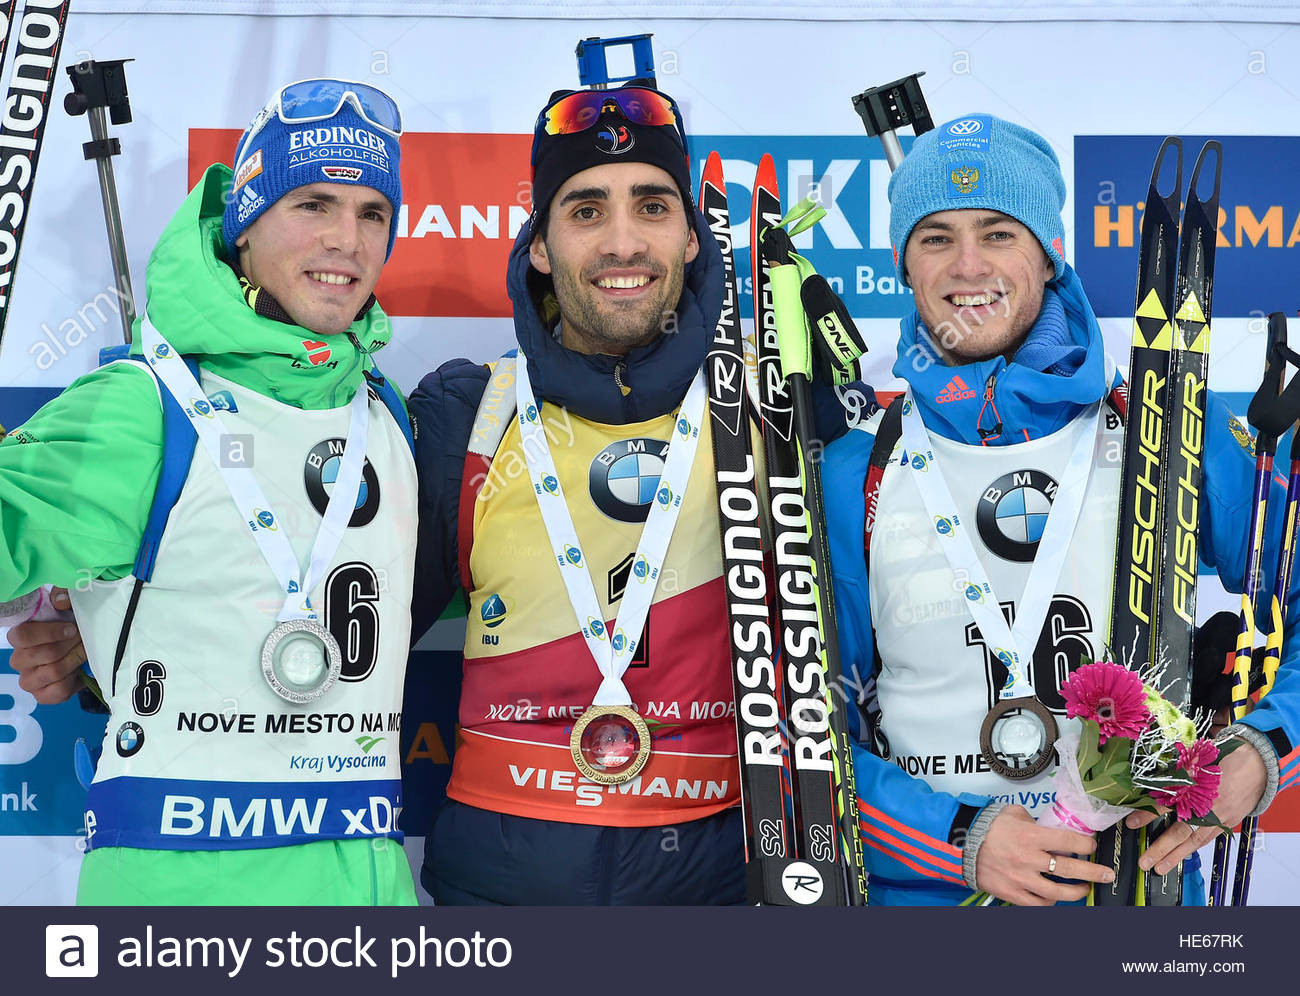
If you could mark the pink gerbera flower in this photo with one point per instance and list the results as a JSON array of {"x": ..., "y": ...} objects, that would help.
[
  {"x": 1111, "y": 696},
  {"x": 1196, "y": 799}
]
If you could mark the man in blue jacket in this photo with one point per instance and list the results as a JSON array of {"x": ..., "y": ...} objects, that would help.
[{"x": 1006, "y": 419}]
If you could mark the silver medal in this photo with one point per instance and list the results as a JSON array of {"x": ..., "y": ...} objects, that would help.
[{"x": 301, "y": 660}]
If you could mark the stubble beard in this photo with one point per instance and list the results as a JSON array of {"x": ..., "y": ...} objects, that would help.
[{"x": 593, "y": 329}]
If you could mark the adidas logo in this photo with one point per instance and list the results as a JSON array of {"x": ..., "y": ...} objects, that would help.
[
  {"x": 955, "y": 390},
  {"x": 249, "y": 201}
]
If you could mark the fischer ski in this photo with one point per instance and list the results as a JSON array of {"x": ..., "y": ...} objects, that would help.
[{"x": 1153, "y": 607}]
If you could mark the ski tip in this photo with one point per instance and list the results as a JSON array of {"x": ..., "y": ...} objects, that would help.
[
  {"x": 1210, "y": 148},
  {"x": 1172, "y": 146},
  {"x": 713, "y": 175},
  {"x": 766, "y": 176}
]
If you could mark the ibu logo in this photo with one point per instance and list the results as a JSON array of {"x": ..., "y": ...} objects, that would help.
[
  {"x": 550, "y": 485},
  {"x": 683, "y": 427},
  {"x": 494, "y": 611},
  {"x": 201, "y": 406},
  {"x": 665, "y": 496},
  {"x": 641, "y": 569},
  {"x": 974, "y": 594},
  {"x": 597, "y": 628},
  {"x": 265, "y": 519},
  {"x": 919, "y": 462},
  {"x": 530, "y": 413},
  {"x": 619, "y": 641},
  {"x": 573, "y": 555},
  {"x": 945, "y": 526},
  {"x": 162, "y": 351}
]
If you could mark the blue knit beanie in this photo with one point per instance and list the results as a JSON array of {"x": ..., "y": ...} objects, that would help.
[
  {"x": 282, "y": 157},
  {"x": 980, "y": 161}
]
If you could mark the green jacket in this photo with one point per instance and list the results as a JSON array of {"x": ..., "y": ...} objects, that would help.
[{"x": 77, "y": 480}]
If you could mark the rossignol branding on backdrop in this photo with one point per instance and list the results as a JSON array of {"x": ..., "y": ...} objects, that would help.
[{"x": 39, "y": 39}]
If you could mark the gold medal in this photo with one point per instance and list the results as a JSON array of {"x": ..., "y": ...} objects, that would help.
[
  {"x": 1017, "y": 738},
  {"x": 610, "y": 744}
]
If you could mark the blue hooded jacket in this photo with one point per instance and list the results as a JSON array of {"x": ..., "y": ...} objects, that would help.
[{"x": 914, "y": 836}]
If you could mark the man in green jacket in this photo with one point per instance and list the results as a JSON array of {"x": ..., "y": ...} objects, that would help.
[{"x": 251, "y": 754}]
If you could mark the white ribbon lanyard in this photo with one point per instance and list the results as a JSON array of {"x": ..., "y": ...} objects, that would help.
[
  {"x": 247, "y": 493},
  {"x": 612, "y": 653},
  {"x": 1006, "y": 643}
]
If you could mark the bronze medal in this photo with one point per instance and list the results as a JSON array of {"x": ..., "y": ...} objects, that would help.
[{"x": 1017, "y": 738}]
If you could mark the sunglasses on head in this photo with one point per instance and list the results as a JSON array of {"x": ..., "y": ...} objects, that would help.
[
  {"x": 576, "y": 112},
  {"x": 319, "y": 99}
]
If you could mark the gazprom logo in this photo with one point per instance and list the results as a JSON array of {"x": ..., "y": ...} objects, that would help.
[{"x": 572, "y": 554}]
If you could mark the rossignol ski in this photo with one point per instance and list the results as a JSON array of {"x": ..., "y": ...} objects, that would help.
[
  {"x": 826, "y": 827},
  {"x": 1153, "y": 608},
  {"x": 764, "y": 785}
]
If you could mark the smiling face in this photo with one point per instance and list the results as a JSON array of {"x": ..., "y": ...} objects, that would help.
[
  {"x": 319, "y": 250},
  {"x": 616, "y": 247},
  {"x": 978, "y": 276}
]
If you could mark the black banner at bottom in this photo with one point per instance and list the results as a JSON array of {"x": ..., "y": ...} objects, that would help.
[{"x": 634, "y": 951}]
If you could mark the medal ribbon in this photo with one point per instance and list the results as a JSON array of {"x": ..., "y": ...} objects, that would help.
[
  {"x": 1005, "y": 642},
  {"x": 247, "y": 493},
  {"x": 612, "y": 653}
]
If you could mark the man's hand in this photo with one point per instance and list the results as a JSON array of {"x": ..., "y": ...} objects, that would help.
[
  {"x": 48, "y": 655},
  {"x": 1240, "y": 789},
  {"x": 1017, "y": 855}
]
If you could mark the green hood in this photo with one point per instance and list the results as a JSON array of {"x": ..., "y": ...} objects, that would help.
[{"x": 196, "y": 302}]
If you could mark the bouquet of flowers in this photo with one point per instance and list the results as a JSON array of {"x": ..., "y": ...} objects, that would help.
[{"x": 1135, "y": 750}]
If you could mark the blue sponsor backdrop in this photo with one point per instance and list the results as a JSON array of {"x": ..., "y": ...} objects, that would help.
[
  {"x": 849, "y": 176},
  {"x": 1258, "y": 255}
]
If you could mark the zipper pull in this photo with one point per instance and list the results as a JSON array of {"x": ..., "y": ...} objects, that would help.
[
  {"x": 619, "y": 369},
  {"x": 988, "y": 387}
]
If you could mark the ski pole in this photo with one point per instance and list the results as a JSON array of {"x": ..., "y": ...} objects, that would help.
[
  {"x": 97, "y": 87},
  {"x": 1265, "y": 448},
  {"x": 1277, "y": 606},
  {"x": 812, "y": 716}
]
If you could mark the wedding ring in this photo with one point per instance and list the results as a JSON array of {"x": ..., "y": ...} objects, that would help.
[{"x": 1051, "y": 865}]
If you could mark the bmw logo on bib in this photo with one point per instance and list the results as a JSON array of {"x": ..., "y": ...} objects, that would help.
[
  {"x": 321, "y": 471},
  {"x": 624, "y": 477},
  {"x": 1012, "y": 513}
]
